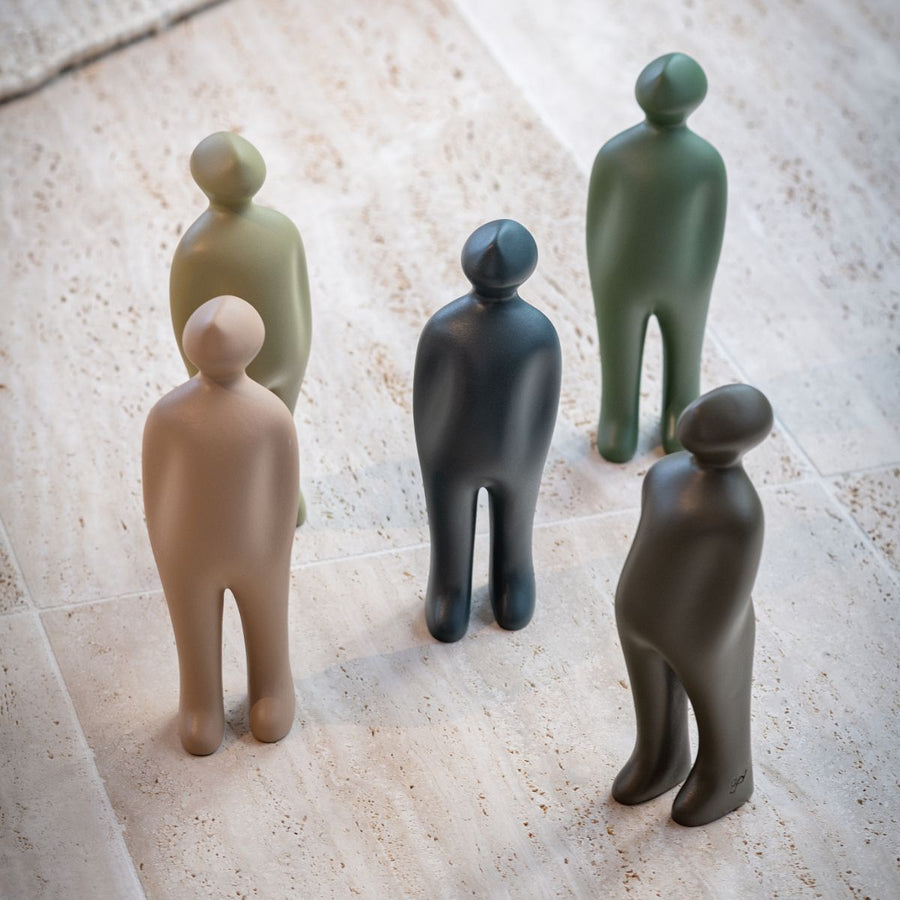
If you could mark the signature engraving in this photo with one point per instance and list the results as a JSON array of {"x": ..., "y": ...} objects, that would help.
[{"x": 736, "y": 782}]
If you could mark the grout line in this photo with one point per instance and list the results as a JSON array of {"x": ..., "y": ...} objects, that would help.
[
  {"x": 86, "y": 56},
  {"x": 120, "y": 849},
  {"x": 14, "y": 559}
]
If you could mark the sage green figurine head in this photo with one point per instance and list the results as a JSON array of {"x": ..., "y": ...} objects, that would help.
[
  {"x": 670, "y": 89},
  {"x": 228, "y": 168}
]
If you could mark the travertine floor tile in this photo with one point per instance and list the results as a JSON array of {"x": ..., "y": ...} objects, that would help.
[
  {"x": 58, "y": 837},
  {"x": 805, "y": 298},
  {"x": 13, "y": 593},
  {"x": 386, "y": 161},
  {"x": 485, "y": 766},
  {"x": 874, "y": 500}
]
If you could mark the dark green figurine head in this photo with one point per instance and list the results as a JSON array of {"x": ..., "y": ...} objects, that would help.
[
  {"x": 228, "y": 168},
  {"x": 670, "y": 89},
  {"x": 723, "y": 424},
  {"x": 498, "y": 257}
]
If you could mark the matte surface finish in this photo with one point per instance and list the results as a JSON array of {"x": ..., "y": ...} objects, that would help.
[
  {"x": 485, "y": 395},
  {"x": 414, "y": 768},
  {"x": 239, "y": 247},
  {"x": 655, "y": 220},
  {"x": 220, "y": 491},
  {"x": 684, "y": 613}
]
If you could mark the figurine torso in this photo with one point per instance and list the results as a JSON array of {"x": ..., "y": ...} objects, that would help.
[
  {"x": 486, "y": 386},
  {"x": 695, "y": 553},
  {"x": 256, "y": 254}
]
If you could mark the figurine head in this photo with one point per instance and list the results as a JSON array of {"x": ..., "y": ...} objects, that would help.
[
  {"x": 222, "y": 337},
  {"x": 670, "y": 89},
  {"x": 228, "y": 168},
  {"x": 722, "y": 425},
  {"x": 498, "y": 257}
]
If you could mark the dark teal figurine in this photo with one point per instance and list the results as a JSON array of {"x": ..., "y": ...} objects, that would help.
[
  {"x": 485, "y": 396},
  {"x": 655, "y": 219},
  {"x": 684, "y": 612}
]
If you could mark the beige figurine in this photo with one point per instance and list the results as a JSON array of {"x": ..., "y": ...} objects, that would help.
[
  {"x": 221, "y": 487},
  {"x": 238, "y": 247}
]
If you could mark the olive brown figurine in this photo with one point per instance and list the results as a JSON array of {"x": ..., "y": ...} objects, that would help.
[
  {"x": 655, "y": 220},
  {"x": 684, "y": 612},
  {"x": 221, "y": 485},
  {"x": 239, "y": 247},
  {"x": 485, "y": 396}
]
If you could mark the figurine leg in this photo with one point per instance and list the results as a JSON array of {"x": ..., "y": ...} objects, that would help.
[
  {"x": 451, "y": 520},
  {"x": 301, "y": 510},
  {"x": 512, "y": 567},
  {"x": 722, "y": 776},
  {"x": 662, "y": 755},
  {"x": 263, "y": 605},
  {"x": 682, "y": 337},
  {"x": 196, "y": 613},
  {"x": 621, "y": 333}
]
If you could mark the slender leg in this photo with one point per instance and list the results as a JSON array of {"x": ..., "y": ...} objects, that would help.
[
  {"x": 662, "y": 755},
  {"x": 512, "y": 567},
  {"x": 621, "y": 332},
  {"x": 719, "y": 690},
  {"x": 451, "y": 521},
  {"x": 263, "y": 604},
  {"x": 196, "y": 613},
  {"x": 682, "y": 337}
]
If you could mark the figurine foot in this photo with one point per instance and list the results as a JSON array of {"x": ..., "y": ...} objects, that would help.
[
  {"x": 201, "y": 730},
  {"x": 704, "y": 798},
  {"x": 638, "y": 782},
  {"x": 271, "y": 718},
  {"x": 670, "y": 442},
  {"x": 301, "y": 511},
  {"x": 447, "y": 617},
  {"x": 513, "y": 604},
  {"x": 617, "y": 441}
]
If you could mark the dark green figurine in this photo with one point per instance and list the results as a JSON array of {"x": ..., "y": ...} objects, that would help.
[
  {"x": 655, "y": 219},
  {"x": 684, "y": 612}
]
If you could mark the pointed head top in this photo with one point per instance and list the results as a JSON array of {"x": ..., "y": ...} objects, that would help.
[
  {"x": 498, "y": 257},
  {"x": 222, "y": 337},
  {"x": 670, "y": 89},
  {"x": 228, "y": 168},
  {"x": 723, "y": 424}
]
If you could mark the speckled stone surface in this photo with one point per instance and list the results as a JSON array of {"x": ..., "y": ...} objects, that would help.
[{"x": 484, "y": 767}]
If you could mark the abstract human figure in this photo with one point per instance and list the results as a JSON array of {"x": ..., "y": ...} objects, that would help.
[
  {"x": 684, "y": 612},
  {"x": 655, "y": 219},
  {"x": 238, "y": 247},
  {"x": 221, "y": 485},
  {"x": 485, "y": 395}
]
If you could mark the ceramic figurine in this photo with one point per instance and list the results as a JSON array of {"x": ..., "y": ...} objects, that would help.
[
  {"x": 238, "y": 247},
  {"x": 655, "y": 218},
  {"x": 684, "y": 612},
  {"x": 220, "y": 494},
  {"x": 485, "y": 396}
]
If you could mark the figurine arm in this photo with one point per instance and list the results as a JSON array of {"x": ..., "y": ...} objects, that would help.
[{"x": 302, "y": 279}]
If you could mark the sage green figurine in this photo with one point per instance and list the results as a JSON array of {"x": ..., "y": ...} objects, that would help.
[
  {"x": 239, "y": 248},
  {"x": 655, "y": 219}
]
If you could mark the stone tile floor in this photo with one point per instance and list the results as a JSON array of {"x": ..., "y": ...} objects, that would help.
[{"x": 417, "y": 769}]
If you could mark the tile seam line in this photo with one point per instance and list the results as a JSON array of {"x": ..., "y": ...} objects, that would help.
[
  {"x": 93, "y": 772},
  {"x": 371, "y": 554},
  {"x": 14, "y": 558},
  {"x": 80, "y": 59}
]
